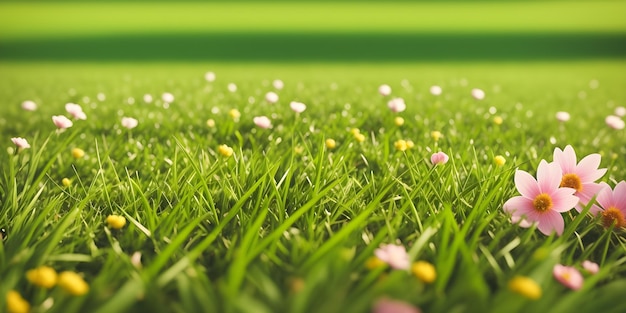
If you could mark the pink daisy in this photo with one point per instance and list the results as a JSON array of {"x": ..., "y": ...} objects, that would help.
[
  {"x": 385, "y": 305},
  {"x": 394, "y": 255},
  {"x": 542, "y": 200},
  {"x": 396, "y": 105},
  {"x": 439, "y": 158},
  {"x": 20, "y": 142},
  {"x": 580, "y": 176},
  {"x": 591, "y": 267},
  {"x": 569, "y": 276},
  {"x": 61, "y": 122},
  {"x": 613, "y": 205},
  {"x": 262, "y": 121}
]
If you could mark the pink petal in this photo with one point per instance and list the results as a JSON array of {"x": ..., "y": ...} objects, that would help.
[
  {"x": 590, "y": 190},
  {"x": 551, "y": 221},
  {"x": 605, "y": 197},
  {"x": 548, "y": 176},
  {"x": 566, "y": 158},
  {"x": 587, "y": 168},
  {"x": 563, "y": 199},
  {"x": 526, "y": 184},
  {"x": 517, "y": 203},
  {"x": 619, "y": 195}
]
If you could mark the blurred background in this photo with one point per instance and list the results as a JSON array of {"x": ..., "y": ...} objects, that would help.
[{"x": 323, "y": 30}]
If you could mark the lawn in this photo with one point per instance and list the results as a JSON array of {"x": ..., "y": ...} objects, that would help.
[{"x": 344, "y": 205}]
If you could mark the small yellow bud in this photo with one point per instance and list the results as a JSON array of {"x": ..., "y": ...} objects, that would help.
[
  {"x": 424, "y": 271},
  {"x": 210, "y": 123},
  {"x": 436, "y": 135},
  {"x": 526, "y": 287},
  {"x": 359, "y": 137},
  {"x": 78, "y": 153},
  {"x": 234, "y": 114},
  {"x": 497, "y": 120},
  {"x": 499, "y": 160},
  {"x": 43, "y": 276},
  {"x": 116, "y": 221},
  {"x": 73, "y": 283},
  {"x": 225, "y": 150},
  {"x": 331, "y": 143},
  {"x": 16, "y": 304},
  {"x": 399, "y": 121},
  {"x": 410, "y": 144},
  {"x": 374, "y": 263},
  {"x": 401, "y": 145},
  {"x": 66, "y": 182},
  {"x": 298, "y": 149},
  {"x": 355, "y": 131}
]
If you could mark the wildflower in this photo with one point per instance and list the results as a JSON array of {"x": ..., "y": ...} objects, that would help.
[
  {"x": 410, "y": 144},
  {"x": 478, "y": 94},
  {"x": 359, "y": 137},
  {"x": 436, "y": 135},
  {"x": 147, "y": 98},
  {"x": 78, "y": 153},
  {"x": 398, "y": 120},
  {"x": 542, "y": 200},
  {"x": 580, "y": 176},
  {"x": 562, "y": 116},
  {"x": 167, "y": 97},
  {"x": 439, "y": 158},
  {"x": 61, "y": 122},
  {"x": 613, "y": 205},
  {"x": 20, "y": 142},
  {"x": 210, "y": 123},
  {"x": 620, "y": 111},
  {"x": 591, "y": 267},
  {"x": 498, "y": 120},
  {"x": 396, "y": 105},
  {"x": 400, "y": 145},
  {"x": 569, "y": 276},
  {"x": 225, "y": 150},
  {"x": 298, "y": 149},
  {"x": 43, "y": 276},
  {"x": 66, "y": 182},
  {"x": 73, "y": 283},
  {"x": 499, "y": 160},
  {"x": 394, "y": 255},
  {"x": 262, "y": 121},
  {"x": 16, "y": 304},
  {"x": 76, "y": 111},
  {"x": 614, "y": 122},
  {"x": 384, "y": 90},
  {"x": 271, "y": 97},
  {"x": 355, "y": 131},
  {"x": 116, "y": 221},
  {"x": 330, "y": 143},
  {"x": 129, "y": 122},
  {"x": 29, "y": 105},
  {"x": 234, "y": 114},
  {"x": 424, "y": 271},
  {"x": 278, "y": 84},
  {"x": 209, "y": 76},
  {"x": 385, "y": 305},
  {"x": 374, "y": 263},
  {"x": 297, "y": 107},
  {"x": 435, "y": 90},
  {"x": 526, "y": 287},
  {"x": 232, "y": 87}
]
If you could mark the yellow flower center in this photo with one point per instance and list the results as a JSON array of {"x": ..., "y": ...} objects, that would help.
[
  {"x": 542, "y": 202},
  {"x": 613, "y": 216},
  {"x": 572, "y": 181}
]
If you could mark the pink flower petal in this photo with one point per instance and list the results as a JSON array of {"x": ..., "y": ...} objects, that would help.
[
  {"x": 548, "y": 176},
  {"x": 526, "y": 184},
  {"x": 563, "y": 199},
  {"x": 517, "y": 203},
  {"x": 565, "y": 158},
  {"x": 570, "y": 277},
  {"x": 587, "y": 169},
  {"x": 619, "y": 195},
  {"x": 551, "y": 221}
]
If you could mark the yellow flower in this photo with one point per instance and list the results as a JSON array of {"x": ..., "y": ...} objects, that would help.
[
  {"x": 401, "y": 145},
  {"x": 359, "y": 137},
  {"x": 497, "y": 120},
  {"x": 355, "y": 131},
  {"x": 410, "y": 144},
  {"x": 331, "y": 143},
  {"x": 399, "y": 121},
  {"x": 16, "y": 304},
  {"x": 66, "y": 182},
  {"x": 298, "y": 149},
  {"x": 116, "y": 221},
  {"x": 424, "y": 271},
  {"x": 43, "y": 276},
  {"x": 78, "y": 153},
  {"x": 525, "y": 287},
  {"x": 436, "y": 135},
  {"x": 73, "y": 284},
  {"x": 225, "y": 150},
  {"x": 234, "y": 114},
  {"x": 210, "y": 123},
  {"x": 499, "y": 160},
  {"x": 374, "y": 263}
]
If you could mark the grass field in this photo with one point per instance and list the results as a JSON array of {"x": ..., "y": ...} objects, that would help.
[{"x": 164, "y": 217}]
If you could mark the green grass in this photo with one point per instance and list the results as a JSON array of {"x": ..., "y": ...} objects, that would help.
[{"x": 271, "y": 230}]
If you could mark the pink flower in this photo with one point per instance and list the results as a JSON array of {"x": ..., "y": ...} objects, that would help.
[
  {"x": 61, "y": 122},
  {"x": 167, "y": 97},
  {"x": 396, "y": 105},
  {"x": 278, "y": 84},
  {"x": 384, "y": 90},
  {"x": 569, "y": 276},
  {"x": 591, "y": 267},
  {"x": 271, "y": 97},
  {"x": 439, "y": 158},
  {"x": 297, "y": 107},
  {"x": 562, "y": 116},
  {"x": 76, "y": 111},
  {"x": 614, "y": 122},
  {"x": 29, "y": 105},
  {"x": 613, "y": 205},
  {"x": 262, "y": 121},
  {"x": 478, "y": 94},
  {"x": 386, "y": 305},
  {"x": 129, "y": 122},
  {"x": 435, "y": 90},
  {"x": 542, "y": 201},
  {"x": 394, "y": 255},
  {"x": 580, "y": 176},
  {"x": 20, "y": 142}
]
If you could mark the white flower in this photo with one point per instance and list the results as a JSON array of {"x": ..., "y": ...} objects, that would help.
[
  {"x": 62, "y": 122},
  {"x": 562, "y": 116},
  {"x": 396, "y": 105},
  {"x": 297, "y": 107},
  {"x": 20, "y": 142},
  {"x": 278, "y": 84},
  {"x": 76, "y": 111},
  {"x": 29, "y": 105},
  {"x": 478, "y": 94},
  {"x": 384, "y": 90},
  {"x": 435, "y": 90},
  {"x": 129, "y": 122},
  {"x": 262, "y": 121},
  {"x": 271, "y": 97},
  {"x": 167, "y": 97}
]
